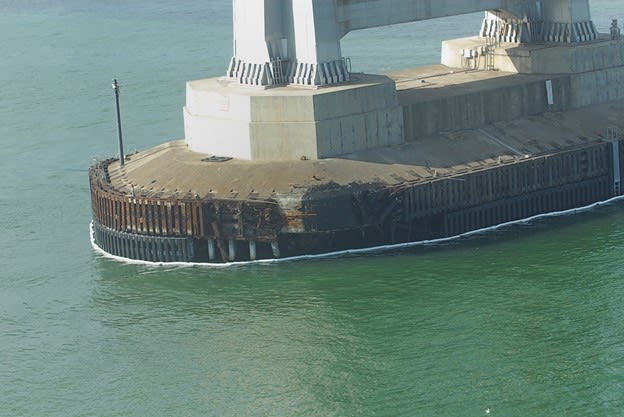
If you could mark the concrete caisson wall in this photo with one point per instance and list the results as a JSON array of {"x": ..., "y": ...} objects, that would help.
[
  {"x": 473, "y": 110},
  {"x": 596, "y": 70},
  {"x": 289, "y": 123},
  {"x": 282, "y": 127},
  {"x": 597, "y": 87},
  {"x": 580, "y": 75},
  {"x": 357, "y": 119}
]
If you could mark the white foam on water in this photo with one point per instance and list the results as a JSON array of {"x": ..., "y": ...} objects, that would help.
[{"x": 374, "y": 249}]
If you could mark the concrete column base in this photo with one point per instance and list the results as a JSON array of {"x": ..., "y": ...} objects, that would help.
[
  {"x": 262, "y": 74},
  {"x": 325, "y": 73},
  {"x": 223, "y": 118},
  {"x": 523, "y": 31}
]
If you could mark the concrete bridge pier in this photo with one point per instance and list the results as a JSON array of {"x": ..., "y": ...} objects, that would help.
[
  {"x": 286, "y": 42},
  {"x": 279, "y": 42},
  {"x": 297, "y": 43},
  {"x": 560, "y": 21}
]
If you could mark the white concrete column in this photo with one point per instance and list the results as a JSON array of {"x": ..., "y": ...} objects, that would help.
[
  {"x": 281, "y": 41},
  {"x": 211, "y": 249},
  {"x": 317, "y": 42},
  {"x": 275, "y": 248},
  {"x": 260, "y": 42},
  {"x": 232, "y": 249}
]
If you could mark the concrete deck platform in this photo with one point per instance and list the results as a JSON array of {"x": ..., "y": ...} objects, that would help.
[
  {"x": 435, "y": 82},
  {"x": 170, "y": 170}
]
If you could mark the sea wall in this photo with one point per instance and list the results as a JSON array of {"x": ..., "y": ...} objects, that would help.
[
  {"x": 447, "y": 206},
  {"x": 334, "y": 217},
  {"x": 183, "y": 229}
]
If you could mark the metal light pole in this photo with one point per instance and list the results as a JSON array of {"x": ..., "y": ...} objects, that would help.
[{"x": 121, "y": 152}]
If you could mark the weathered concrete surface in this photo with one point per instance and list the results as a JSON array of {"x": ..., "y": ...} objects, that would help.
[
  {"x": 440, "y": 98},
  {"x": 290, "y": 123},
  {"x": 580, "y": 75}
]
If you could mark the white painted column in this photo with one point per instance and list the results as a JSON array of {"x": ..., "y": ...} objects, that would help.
[
  {"x": 317, "y": 42},
  {"x": 252, "y": 250},
  {"x": 617, "y": 180},
  {"x": 260, "y": 42},
  {"x": 232, "y": 249},
  {"x": 211, "y": 249}
]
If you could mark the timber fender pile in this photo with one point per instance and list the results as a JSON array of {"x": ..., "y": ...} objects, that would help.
[
  {"x": 447, "y": 206},
  {"x": 335, "y": 217},
  {"x": 181, "y": 229}
]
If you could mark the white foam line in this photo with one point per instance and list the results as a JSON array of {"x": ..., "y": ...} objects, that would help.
[{"x": 382, "y": 248}]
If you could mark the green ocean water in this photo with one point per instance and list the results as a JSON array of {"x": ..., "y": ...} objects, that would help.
[{"x": 524, "y": 321}]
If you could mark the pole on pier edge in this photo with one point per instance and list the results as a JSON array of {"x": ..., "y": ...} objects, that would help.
[{"x": 121, "y": 152}]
